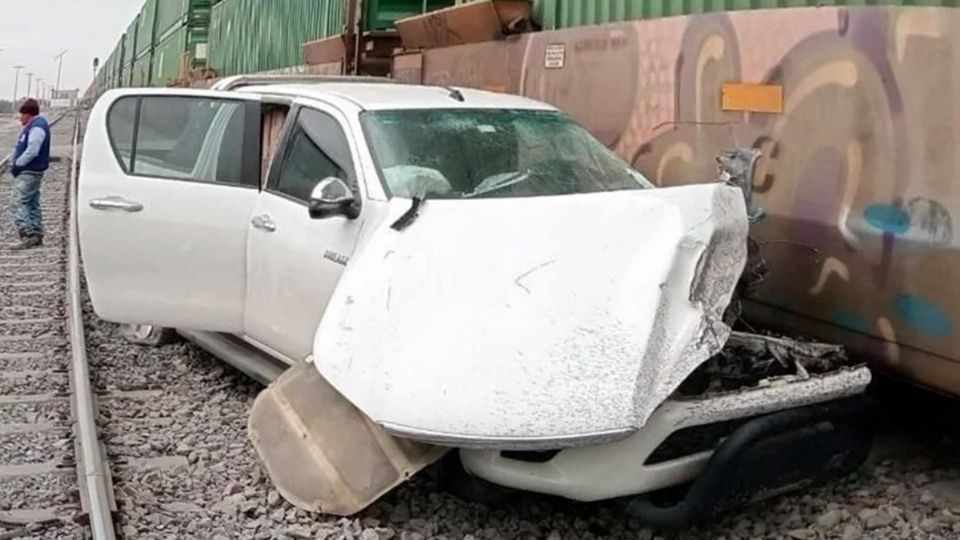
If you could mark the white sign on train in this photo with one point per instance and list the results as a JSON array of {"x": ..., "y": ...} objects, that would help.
[{"x": 554, "y": 56}]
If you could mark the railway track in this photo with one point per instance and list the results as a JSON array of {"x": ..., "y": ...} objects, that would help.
[
  {"x": 67, "y": 418},
  {"x": 53, "y": 479}
]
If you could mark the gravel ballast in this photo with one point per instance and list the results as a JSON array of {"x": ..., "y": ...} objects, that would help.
[
  {"x": 36, "y": 442},
  {"x": 189, "y": 471}
]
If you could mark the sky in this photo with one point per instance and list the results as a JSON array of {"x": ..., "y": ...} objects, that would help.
[{"x": 32, "y": 32}]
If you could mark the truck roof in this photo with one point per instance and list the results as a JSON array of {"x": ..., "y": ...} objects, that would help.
[{"x": 392, "y": 96}]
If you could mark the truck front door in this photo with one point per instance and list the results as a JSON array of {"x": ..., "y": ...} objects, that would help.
[{"x": 294, "y": 262}]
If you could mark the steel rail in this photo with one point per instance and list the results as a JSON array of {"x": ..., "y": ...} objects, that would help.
[{"x": 92, "y": 472}]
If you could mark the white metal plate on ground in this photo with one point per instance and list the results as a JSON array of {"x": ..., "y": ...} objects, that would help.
[{"x": 323, "y": 454}]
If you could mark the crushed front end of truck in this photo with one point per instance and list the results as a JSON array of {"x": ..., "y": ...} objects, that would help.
[
  {"x": 765, "y": 415},
  {"x": 577, "y": 346}
]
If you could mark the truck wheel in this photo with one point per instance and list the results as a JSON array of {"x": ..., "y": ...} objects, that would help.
[{"x": 149, "y": 335}]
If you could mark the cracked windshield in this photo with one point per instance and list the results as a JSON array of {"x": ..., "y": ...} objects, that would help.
[{"x": 462, "y": 154}]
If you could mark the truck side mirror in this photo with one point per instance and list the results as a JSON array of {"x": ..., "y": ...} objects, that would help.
[{"x": 333, "y": 197}]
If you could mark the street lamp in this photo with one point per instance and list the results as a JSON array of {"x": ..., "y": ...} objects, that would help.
[
  {"x": 59, "y": 58},
  {"x": 29, "y": 83},
  {"x": 16, "y": 85}
]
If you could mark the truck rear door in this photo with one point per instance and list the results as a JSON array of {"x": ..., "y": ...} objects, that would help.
[{"x": 168, "y": 183}]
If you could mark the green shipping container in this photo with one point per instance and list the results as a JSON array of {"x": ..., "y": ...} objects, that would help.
[
  {"x": 173, "y": 14},
  {"x": 146, "y": 26},
  {"x": 115, "y": 63},
  {"x": 248, "y": 36},
  {"x": 121, "y": 73},
  {"x": 169, "y": 55},
  {"x": 555, "y": 14},
  {"x": 142, "y": 71},
  {"x": 381, "y": 14},
  {"x": 130, "y": 42},
  {"x": 107, "y": 73},
  {"x": 112, "y": 80},
  {"x": 104, "y": 75}
]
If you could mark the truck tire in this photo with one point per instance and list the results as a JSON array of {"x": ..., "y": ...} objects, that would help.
[{"x": 149, "y": 335}]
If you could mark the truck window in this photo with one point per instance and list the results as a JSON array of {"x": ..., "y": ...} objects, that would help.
[
  {"x": 317, "y": 149},
  {"x": 121, "y": 122},
  {"x": 466, "y": 153},
  {"x": 178, "y": 137}
]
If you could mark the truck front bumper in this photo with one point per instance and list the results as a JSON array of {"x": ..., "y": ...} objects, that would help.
[{"x": 685, "y": 439}]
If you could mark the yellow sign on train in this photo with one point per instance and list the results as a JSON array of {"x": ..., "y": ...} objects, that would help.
[{"x": 762, "y": 98}]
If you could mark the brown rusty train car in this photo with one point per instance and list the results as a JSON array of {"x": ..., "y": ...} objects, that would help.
[{"x": 857, "y": 112}]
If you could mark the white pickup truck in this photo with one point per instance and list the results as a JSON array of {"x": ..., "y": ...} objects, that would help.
[{"x": 437, "y": 269}]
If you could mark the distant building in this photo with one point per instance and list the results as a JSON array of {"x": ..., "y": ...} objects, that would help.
[{"x": 64, "y": 98}]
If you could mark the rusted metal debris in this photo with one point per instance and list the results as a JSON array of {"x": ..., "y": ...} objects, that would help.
[{"x": 749, "y": 359}]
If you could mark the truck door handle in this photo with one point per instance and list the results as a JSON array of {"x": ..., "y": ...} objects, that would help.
[
  {"x": 116, "y": 203},
  {"x": 264, "y": 223}
]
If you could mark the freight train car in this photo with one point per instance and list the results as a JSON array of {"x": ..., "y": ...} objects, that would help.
[
  {"x": 853, "y": 109},
  {"x": 171, "y": 41},
  {"x": 166, "y": 39}
]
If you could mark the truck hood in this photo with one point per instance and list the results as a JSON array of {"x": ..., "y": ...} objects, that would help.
[{"x": 533, "y": 322}]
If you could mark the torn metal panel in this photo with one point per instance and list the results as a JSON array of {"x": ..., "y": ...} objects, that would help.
[
  {"x": 751, "y": 359},
  {"x": 534, "y": 322},
  {"x": 737, "y": 168},
  {"x": 801, "y": 355},
  {"x": 781, "y": 393},
  {"x": 471, "y": 22}
]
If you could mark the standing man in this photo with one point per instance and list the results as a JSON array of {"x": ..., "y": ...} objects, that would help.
[{"x": 30, "y": 159}]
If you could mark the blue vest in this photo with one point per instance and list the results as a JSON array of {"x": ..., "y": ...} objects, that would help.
[{"x": 40, "y": 163}]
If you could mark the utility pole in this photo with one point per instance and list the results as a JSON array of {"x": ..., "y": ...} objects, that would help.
[
  {"x": 16, "y": 85},
  {"x": 59, "y": 58}
]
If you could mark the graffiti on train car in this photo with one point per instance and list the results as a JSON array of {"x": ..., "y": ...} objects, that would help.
[{"x": 858, "y": 174}]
